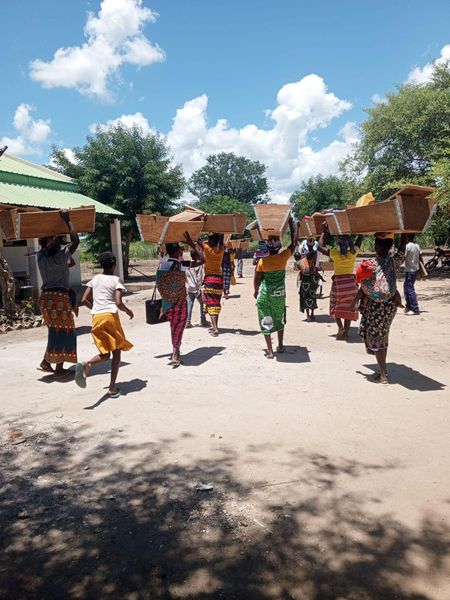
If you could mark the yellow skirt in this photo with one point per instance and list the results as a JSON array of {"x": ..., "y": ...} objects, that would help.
[{"x": 108, "y": 333}]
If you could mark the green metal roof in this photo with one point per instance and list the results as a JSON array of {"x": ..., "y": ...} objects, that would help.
[
  {"x": 23, "y": 195},
  {"x": 14, "y": 164}
]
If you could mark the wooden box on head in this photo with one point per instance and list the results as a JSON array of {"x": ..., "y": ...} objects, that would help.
[
  {"x": 45, "y": 223},
  {"x": 160, "y": 230}
]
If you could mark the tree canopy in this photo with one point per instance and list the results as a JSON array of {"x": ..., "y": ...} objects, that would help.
[
  {"x": 405, "y": 137},
  {"x": 224, "y": 205},
  {"x": 319, "y": 193},
  {"x": 127, "y": 170},
  {"x": 226, "y": 174}
]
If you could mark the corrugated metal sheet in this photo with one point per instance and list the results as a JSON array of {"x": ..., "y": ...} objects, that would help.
[
  {"x": 21, "y": 195},
  {"x": 13, "y": 164}
]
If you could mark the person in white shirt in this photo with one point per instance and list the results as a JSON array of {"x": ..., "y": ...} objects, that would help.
[
  {"x": 103, "y": 296},
  {"x": 310, "y": 245},
  {"x": 194, "y": 281},
  {"x": 412, "y": 267}
]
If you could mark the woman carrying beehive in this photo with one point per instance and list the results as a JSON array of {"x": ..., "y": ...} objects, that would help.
[
  {"x": 343, "y": 287},
  {"x": 270, "y": 289}
]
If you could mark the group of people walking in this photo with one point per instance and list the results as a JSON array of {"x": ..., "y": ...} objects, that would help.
[{"x": 207, "y": 276}]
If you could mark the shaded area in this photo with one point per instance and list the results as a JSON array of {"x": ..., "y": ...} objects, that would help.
[
  {"x": 100, "y": 529},
  {"x": 293, "y": 354},
  {"x": 407, "y": 377}
]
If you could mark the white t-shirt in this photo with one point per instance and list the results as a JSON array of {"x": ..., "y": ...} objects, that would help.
[
  {"x": 412, "y": 256},
  {"x": 103, "y": 291}
]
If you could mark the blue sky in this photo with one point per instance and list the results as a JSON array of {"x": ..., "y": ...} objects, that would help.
[{"x": 212, "y": 60}]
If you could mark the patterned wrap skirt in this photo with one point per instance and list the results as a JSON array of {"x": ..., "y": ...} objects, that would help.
[
  {"x": 227, "y": 274},
  {"x": 177, "y": 315},
  {"x": 212, "y": 294},
  {"x": 343, "y": 291},
  {"x": 308, "y": 292},
  {"x": 107, "y": 333},
  {"x": 376, "y": 321},
  {"x": 56, "y": 310}
]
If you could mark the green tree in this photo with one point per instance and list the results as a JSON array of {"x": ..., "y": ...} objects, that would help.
[
  {"x": 220, "y": 205},
  {"x": 319, "y": 193},
  {"x": 226, "y": 174},
  {"x": 127, "y": 170},
  {"x": 405, "y": 137}
]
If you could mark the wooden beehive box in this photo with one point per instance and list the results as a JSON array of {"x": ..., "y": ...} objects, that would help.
[
  {"x": 46, "y": 223},
  {"x": 8, "y": 223},
  {"x": 272, "y": 219},
  {"x": 255, "y": 234},
  {"x": 409, "y": 210},
  {"x": 307, "y": 228},
  {"x": 337, "y": 222},
  {"x": 188, "y": 215},
  {"x": 229, "y": 223},
  {"x": 160, "y": 230}
]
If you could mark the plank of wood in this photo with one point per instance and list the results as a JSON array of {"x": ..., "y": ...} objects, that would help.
[
  {"x": 160, "y": 230},
  {"x": 272, "y": 217},
  {"x": 48, "y": 222},
  {"x": 228, "y": 223},
  {"x": 186, "y": 216},
  {"x": 8, "y": 223}
]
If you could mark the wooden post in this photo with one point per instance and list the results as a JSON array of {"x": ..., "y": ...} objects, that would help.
[
  {"x": 116, "y": 246},
  {"x": 33, "y": 269}
]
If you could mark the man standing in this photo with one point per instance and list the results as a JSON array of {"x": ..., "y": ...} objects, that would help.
[
  {"x": 240, "y": 262},
  {"x": 412, "y": 266}
]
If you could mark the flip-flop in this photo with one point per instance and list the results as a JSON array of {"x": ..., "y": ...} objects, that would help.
[
  {"x": 115, "y": 394},
  {"x": 45, "y": 369},
  {"x": 214, "y": 333},
  {"x": 80, "y": 377},
  {"x": 281, "y": 350}
]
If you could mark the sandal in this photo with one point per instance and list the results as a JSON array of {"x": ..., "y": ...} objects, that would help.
[
  {"x": 114, "y": 394},
  {"x": 80, "y": 377},
  {"x": 46, "y": 368},
  {"x": 214, "y": 333}
]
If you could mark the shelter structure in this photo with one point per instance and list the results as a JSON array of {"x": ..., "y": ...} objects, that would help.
[{"x": 28, "y": 186}]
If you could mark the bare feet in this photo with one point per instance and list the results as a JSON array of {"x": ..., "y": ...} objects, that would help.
[{"x": 281, "y": 349}]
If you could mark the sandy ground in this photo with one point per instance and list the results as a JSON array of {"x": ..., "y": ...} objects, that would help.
[{"x": 326, "y": 485}]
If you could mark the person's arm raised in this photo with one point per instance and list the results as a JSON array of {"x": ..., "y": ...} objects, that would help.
[
  {"x": 74, "y": 239},
  {"x": 322, "y": 247},
  {"x": 293, "y": 232},
  {"x": 358, "y": 241}
]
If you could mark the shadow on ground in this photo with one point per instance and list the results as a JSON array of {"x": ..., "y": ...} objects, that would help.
[
  {"x": 407, "y": 377},
  {"x": 104, "y": 528}
]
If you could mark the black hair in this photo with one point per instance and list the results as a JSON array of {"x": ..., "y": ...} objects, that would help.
[
  {"x": 107, "y": 260},
  {"x": 384, "y": 244},
  {"x": 411, "y": 237},
  {"x": 172, "y": 249},
  {"x": 297, "y": 255},
  {"x": 214, "y": 239}
]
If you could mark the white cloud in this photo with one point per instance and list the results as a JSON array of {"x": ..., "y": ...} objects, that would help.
[
  {"x": 423, "y": 74},
  {"x": 31, "y": 133},
  {"x": 377, "y": 99},
  {"x": 303, "y": 107},
  {"x": 136, "y": 120},
  {"x": 114, "y": 37}
]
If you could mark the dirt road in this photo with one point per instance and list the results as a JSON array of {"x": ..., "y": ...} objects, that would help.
[{"x": 326, "y": 485}]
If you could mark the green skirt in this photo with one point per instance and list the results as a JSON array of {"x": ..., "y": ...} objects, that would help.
[{"x": 271, "y": 313}]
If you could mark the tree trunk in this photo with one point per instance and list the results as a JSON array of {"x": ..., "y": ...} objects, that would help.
[{"x": 8, "y": 288}]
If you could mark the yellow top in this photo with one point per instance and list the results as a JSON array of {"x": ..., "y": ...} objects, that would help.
[
  {"x": 213, "y": 259},
  {"x": 344, "y": 265},
  {"x": 274, "y": 262}
]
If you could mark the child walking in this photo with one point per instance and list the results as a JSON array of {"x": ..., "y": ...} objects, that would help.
[{"x": 104, "y": 297}]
